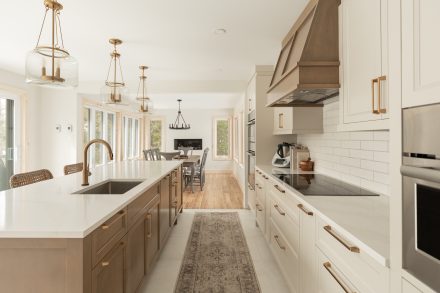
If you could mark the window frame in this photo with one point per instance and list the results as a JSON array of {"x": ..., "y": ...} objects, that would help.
[
  {"x": 92, "y": 133},
  {"x": 215, "y": 156},
  {"x": 135, "y": 135}
]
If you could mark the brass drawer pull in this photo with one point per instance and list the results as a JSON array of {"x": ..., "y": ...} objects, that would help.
[
  {"x": 107, "y": 226},
  {"x": 105, "y": 263},
  {"x": 258, "y": 207},
  {"x": 278, "y": 242},
  {"x": 149, "y": 225},
  {"x": 305, "y": 210},
  {"x": 352, "y": 248},
  {"x": 279, "y": 210},
  {"x": 328, "y": 267},
  {"x": 279, "y": 189}
]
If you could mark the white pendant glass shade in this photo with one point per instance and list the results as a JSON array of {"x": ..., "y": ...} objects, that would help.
[
  {"x": 42, "y": 69},
  {"x": 114, "y": 90}
]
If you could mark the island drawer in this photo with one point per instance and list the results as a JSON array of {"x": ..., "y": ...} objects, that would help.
[
  {"x": 135, "y": 208},
  {"x": 109, "y": 233},
  {"x": 344, "y": 250}
]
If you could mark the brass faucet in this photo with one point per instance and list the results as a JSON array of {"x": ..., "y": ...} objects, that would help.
[{"x": 85, "y": 161}]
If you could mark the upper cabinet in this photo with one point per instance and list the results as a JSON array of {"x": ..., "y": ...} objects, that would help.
[
  {"x": 420, "y": 52},
  {"x": 297, "y": 120},
  {"x": 363, "y": 45}
]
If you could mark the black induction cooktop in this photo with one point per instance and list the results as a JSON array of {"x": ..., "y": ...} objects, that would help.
[{"x": 321, "y": 185}]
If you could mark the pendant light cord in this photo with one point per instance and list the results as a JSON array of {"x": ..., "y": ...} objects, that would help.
[{"x": 42, "y": 26}]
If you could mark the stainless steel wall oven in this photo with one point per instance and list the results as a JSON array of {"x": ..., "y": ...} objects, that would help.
[
  {"x": 251, "y": 150},
  {"x": 421, "y": 193}
]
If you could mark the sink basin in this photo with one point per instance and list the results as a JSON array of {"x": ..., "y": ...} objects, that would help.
[{"x": 110, "y": 187}]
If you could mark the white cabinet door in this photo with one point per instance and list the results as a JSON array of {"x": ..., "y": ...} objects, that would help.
[
  {"x": 307, "y": 250},
  {"x": 420, "y": 52},
  {"x": 363, "y": 53},
  {"x": 409, "y": 288}
]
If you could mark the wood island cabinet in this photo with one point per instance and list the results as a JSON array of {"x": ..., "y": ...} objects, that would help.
[{"x": 114, "y": 258}]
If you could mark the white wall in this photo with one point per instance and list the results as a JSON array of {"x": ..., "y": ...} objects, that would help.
[
  {"x": 360, "y": 158},
  {"x": 43, "y": 109},
  {"x": 239, "y": 169},
  {"x": 201, "y": 127}
]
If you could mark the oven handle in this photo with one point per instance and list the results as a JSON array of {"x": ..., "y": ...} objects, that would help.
[{"x": 421, "y": 173}]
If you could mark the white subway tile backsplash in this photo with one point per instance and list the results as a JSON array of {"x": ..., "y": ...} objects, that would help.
[
  {"x": 351, "y": 144},
  {"x": 362, "y": 135},
  {"x": 360, "y": 158},
  {"x": 375, "y": 145}
]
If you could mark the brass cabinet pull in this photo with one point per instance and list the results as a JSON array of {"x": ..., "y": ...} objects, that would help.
[
  {"x": 278, "y": 242},
  {"x": 265, "y": 177},
  {"x": 107, "y": 226},
  {"x": 301, "y": 207},
  {"x": 352, "y": 248},
  {"x": 279, "y": 189},
  {"x": 175, "y": 204},
  {"x": 281, "y": 120},
  {"x": 379, "y": 82},
  {"x": 149, "y": 225},
  {"x": 105, "y": 263},
  {"x": 257, "y": 185},
  {"x": 258, "y": 207},
  {"x": 328, "y": 267},
  {"x": 379, "y": 96},
  {"x": 374, "y": 81},
  {"x": 279, "y": 210}
]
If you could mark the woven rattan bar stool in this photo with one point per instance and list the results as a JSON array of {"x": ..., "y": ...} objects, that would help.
[{"x": 23, "y": 179}]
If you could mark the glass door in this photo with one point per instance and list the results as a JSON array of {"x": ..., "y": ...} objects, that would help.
[{"x": 7, "y": 141}]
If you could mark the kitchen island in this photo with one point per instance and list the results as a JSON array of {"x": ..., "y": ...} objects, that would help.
[{"x": 54, "y": 239}]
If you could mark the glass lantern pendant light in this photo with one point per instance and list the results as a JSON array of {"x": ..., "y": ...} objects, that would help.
[
  {"x": 179, "y": 124},
  {"x": 146, "y": 105},
  {"x": 52, "y": 64},
  {"x": 114, "y": 89}
]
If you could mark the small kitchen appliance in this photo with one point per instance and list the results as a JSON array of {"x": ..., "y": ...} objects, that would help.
[{"x": 281, "y": 158}]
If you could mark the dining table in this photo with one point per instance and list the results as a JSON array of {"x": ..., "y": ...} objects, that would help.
[{"x": 190, "y": 162}]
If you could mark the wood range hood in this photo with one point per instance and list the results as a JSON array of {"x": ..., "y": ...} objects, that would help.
[{"x": 307, "y": 71}]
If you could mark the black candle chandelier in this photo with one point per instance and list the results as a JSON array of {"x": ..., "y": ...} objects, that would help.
[{"x": 180, "y": 123}]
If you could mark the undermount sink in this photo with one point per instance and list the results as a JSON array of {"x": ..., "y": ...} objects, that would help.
[{"x": 110, "y": 187}]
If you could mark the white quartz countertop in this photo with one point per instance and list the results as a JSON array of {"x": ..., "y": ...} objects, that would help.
[
  {"x": 366, "y": 218},
  {"x": 49, "y": 209}
]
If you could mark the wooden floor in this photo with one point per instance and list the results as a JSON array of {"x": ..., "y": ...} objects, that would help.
[{"x": 221, "y": 191}]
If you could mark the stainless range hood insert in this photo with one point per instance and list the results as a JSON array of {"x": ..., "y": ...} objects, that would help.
[{"x": 307, "y": 70}]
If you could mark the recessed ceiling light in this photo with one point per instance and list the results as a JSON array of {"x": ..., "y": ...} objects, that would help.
[{"x": 220, "y": 31}]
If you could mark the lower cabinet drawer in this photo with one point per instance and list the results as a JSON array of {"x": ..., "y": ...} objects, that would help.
[
  {"x": 286, "y": 221},
  {"x": 109, "y": 276},
  {"x": 260, "y": 215},
  {"x": 364, "y": 272},
  {"x": 329, "y": 278},
  {"x": 104, "y": 237},
  {"x": 287, "y": 258}
]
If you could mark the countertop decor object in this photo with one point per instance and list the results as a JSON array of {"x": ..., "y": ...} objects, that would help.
[
  {"x": 114, "y": 89},
  {"x": 179, "y": 123},
  {"x": 51, "y": 64},
  {"x": 306, "y": 165},
  {"x": 146, "y": 105}
]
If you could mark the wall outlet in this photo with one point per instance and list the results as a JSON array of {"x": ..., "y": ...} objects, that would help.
[{"x": 58, "y": 127}]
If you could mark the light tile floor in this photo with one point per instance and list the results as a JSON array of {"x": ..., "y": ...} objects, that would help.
[{"x": 165, "y": 273}]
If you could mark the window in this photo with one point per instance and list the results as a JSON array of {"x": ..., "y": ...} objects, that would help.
[
  {"x": 222, "y": 139},
  {"x": 156, "y": 133},
  {"x": 131, "y": 137},
  {"x": 98, "y": 123}
]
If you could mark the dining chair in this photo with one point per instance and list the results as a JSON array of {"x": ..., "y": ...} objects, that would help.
[
  {"x": 199, "y": 171},
  {"x": 23, "y": 179},
  {"x": 148, "y": 155},
  {"x": 156, "y": 154},
  {"x": 185, "y": 150},
  {"x": 169, "y": 155},
  {"x": 73, "y": 168}
]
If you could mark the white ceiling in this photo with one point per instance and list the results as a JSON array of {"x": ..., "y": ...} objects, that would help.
[{"x": 175, "y": 38}]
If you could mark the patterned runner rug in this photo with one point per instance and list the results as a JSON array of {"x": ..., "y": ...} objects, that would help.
[{"x": 217, "y": 258}]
